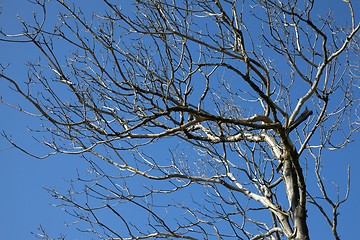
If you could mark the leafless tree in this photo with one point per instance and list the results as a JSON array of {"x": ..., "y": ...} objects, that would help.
[{"x": 201, "y": 118}]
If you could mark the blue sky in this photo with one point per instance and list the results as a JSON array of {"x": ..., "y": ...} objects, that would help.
[{"x": 24, "y": 204}]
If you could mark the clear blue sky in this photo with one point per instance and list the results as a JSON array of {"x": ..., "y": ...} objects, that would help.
[{"x": 24, "y": 204}]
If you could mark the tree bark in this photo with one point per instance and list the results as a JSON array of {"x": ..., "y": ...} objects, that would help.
[{"x": 296, "y": 194}]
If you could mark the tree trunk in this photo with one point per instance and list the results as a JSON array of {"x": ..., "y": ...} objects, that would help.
[{"x": 296, "y": 194}]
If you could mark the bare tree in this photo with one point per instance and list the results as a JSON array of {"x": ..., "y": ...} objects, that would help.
[{"x": 206, "y": 118}]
